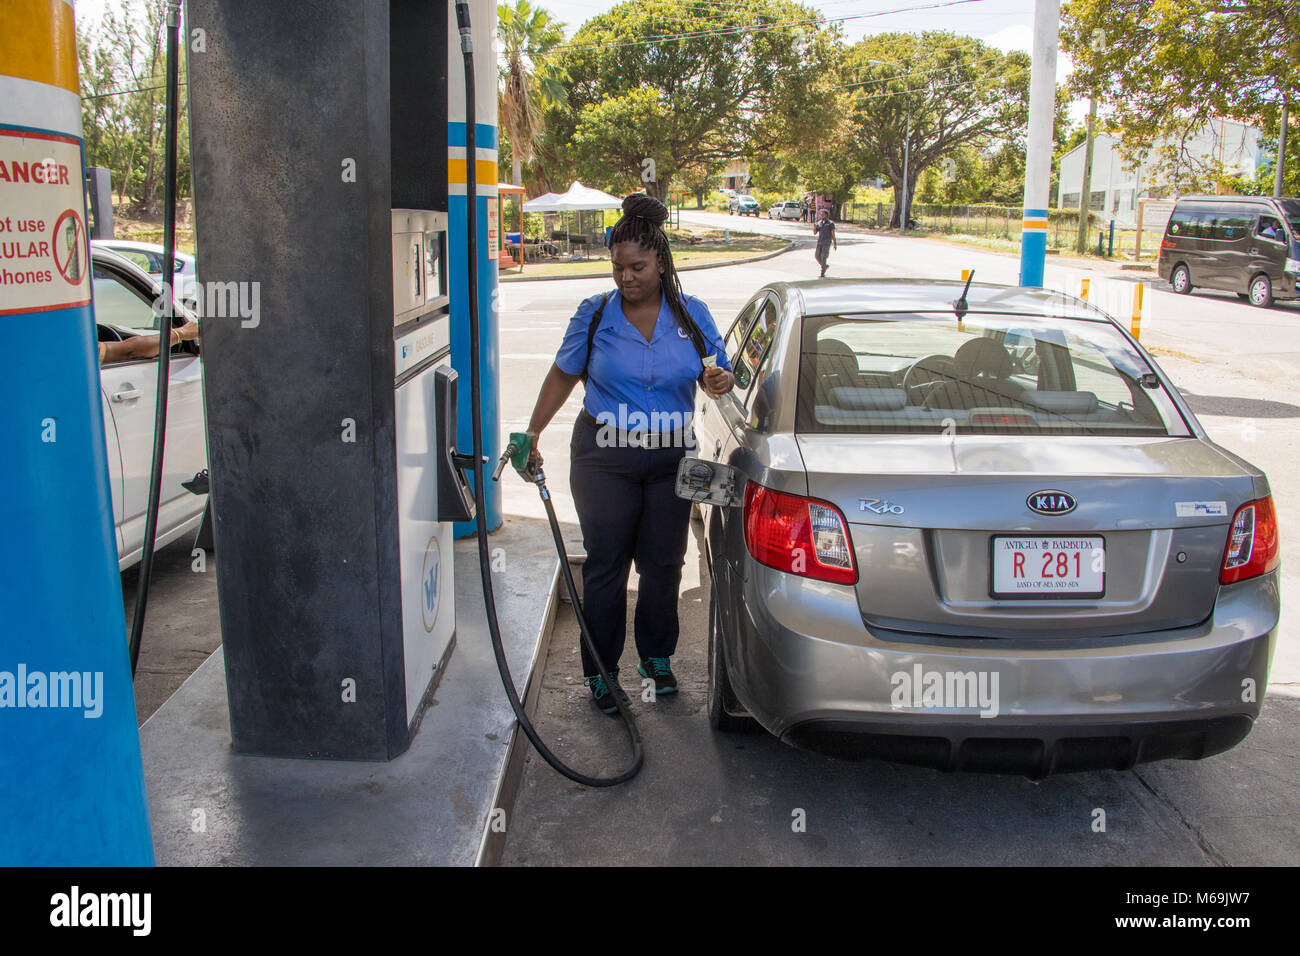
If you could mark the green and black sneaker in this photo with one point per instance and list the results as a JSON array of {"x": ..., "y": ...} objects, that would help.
[
  {"x": 657, "y": 669},
  {"x": 602, "y": 696}
]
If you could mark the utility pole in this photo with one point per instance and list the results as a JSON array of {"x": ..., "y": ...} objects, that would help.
[
  {"x": 1281, "y": 150},
  {"x": 1038, "y": 159},
  {"x": 1085, "y": 188},
  {"x": 907, "y": 142}
]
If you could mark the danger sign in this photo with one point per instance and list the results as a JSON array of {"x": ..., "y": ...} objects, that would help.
[{"x": 44, "y": 252}]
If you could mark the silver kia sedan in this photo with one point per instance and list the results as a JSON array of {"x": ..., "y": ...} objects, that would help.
[{"x": 974, "y": 531}]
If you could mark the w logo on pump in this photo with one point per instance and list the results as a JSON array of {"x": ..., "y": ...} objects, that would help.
[
  {"x": 1051, "y": 502},
  {"x": 429, "y": 584}
]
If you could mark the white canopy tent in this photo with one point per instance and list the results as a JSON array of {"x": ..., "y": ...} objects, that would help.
[
  {"x": 543, "y": 203},
  {"x": 577, "y": 198}
]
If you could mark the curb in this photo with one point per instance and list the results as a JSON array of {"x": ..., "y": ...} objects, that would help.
[{"x": 603, "y": 275}]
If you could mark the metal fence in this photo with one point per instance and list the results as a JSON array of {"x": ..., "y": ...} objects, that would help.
[{"x": 1003, "y": 222}]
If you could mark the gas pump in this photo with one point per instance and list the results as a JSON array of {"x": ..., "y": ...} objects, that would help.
[{"x": 424, "y": 403}]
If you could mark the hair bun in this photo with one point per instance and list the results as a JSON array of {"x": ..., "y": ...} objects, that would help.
[{"x": 646, "y": 207}]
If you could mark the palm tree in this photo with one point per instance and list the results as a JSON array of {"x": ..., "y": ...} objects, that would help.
[{"x": 528, "y": 82}]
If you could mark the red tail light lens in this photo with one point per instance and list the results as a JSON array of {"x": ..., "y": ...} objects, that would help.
[
  {"x": 798, "y": 535},
  {"x": 1253, "y": 547}
]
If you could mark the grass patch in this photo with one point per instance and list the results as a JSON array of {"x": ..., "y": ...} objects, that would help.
[{"x": 1003, "y": 244}]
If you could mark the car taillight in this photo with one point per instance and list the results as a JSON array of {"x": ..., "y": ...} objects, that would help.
[
  {"x": 1252, "y": 547},
  {"x": 799, "y": 535}
]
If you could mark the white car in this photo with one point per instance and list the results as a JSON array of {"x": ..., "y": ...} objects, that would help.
[
  {"x": 149, "y": 257},
  {"x": 785, "y": 210},
  {"x": 123, "y": 303}
]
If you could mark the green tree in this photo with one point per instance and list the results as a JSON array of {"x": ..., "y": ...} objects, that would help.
[
  {"x": 825, "y": 161},
  {"x": 529, "y": 79},
  {"x": 701, "y": 179},
  {"x": 1164, "y": 68},
  {"x": 123, "y": 72},
  {"x": 658, "y": 88},
  {"x": 936, "y": 91}
]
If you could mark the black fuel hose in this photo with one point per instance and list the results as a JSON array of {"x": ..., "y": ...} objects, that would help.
[
  {"x": 164, "y": 333},
  {"x": 480, "y": 507}
]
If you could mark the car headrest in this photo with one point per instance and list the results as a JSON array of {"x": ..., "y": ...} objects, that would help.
[
  {"x": 985, "y": 357},
  {"x": 869, "y": 399},
  {"x": 1061, "y": 403}
]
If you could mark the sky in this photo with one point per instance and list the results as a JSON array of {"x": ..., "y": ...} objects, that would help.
[{"x": 1005, "y": 24}]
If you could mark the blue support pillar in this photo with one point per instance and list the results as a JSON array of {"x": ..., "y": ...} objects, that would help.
[
  {"x": 457, "y": 279},
  {"x": 1033, "y": 247},
  {"x": 71, "y": 781},
  {"x": 483, "y": 20}
]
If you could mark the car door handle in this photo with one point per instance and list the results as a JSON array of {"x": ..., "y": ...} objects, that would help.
[
  {"x": 127, "y": 393},
  {"x": 1254, "y": 252}
]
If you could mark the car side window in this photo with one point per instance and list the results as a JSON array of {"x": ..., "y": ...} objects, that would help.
[
  {"x": 1270, "y": 228},
  {"x": 760, "y": 373},
  {"x": 140, "y": 259},
  {"x": 739, "y": 329},
  {"x": 751, "y": 353},
  {"x": 119, "y": 305}
]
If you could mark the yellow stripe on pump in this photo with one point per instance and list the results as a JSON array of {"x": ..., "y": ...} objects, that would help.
[{"x": 39, "y": 43}]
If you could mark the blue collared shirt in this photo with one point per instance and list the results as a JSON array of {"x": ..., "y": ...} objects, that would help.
[{"x": 657, "y": 377}]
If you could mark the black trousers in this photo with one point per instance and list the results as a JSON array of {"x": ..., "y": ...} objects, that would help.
[{"x": 628, "y": 512}]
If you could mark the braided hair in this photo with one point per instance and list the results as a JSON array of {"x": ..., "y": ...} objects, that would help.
[{"x": 642, "y": 223}]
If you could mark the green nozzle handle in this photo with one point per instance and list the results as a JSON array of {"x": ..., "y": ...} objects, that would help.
[{"x": 523, "y": 444}]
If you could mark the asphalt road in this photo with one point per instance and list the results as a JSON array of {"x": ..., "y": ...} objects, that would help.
[{"x": 707, "y": 798}]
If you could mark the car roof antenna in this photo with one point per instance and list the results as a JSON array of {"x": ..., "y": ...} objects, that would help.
[{"x": 960, "y": 306}]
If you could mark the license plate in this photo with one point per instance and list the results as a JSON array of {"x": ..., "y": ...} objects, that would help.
[{"x": 1048, "y": 567}]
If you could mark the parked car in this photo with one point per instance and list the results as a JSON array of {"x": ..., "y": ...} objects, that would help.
[
  {"x": 785, "y": 210},
  {"x": 123, "y": 296},
  {"x": 1249, "y": 245},
  {"x": 744, "y": 205},
  {"x": 149, "y": 257},
  {"x": 994, "y": 539}
]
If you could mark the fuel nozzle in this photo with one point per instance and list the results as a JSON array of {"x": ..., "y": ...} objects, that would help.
[{"x": 518, "y": 454}]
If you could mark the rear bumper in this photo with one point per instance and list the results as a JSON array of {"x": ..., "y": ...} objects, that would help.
[
  {"x": 805, "y": 665},
  {"x": 1031, "y": 749}
]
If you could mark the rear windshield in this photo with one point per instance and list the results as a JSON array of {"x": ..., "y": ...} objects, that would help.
[{"x": 992, "y": 375}]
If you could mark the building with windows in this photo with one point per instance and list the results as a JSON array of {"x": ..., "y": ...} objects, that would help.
[
  {"x": 1117, "y": 186},
  {"x": 736, "y": 175}
]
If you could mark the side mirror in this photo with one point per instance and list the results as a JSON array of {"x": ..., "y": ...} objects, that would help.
[{"x": 709, "y": 482}]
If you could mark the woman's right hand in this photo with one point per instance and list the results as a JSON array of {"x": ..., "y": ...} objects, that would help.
[{"x": 534, "y": 456}]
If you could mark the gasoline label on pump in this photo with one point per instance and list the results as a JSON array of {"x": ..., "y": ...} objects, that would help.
[{"x": 44, "y": 256}]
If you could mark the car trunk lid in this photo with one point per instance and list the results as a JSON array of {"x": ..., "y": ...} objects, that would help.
[{"x": 925, "y": 513}]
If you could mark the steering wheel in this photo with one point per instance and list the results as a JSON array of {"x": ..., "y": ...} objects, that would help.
[{"x": 935, "y": 367}]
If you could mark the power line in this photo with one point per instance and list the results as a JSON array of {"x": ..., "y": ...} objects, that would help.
[
  {"x": 1015, "y": 75},
  {"x": 142, "y": 89},
  {"x": 989, "y": 58},
  {"x": 735, "y": 29}
]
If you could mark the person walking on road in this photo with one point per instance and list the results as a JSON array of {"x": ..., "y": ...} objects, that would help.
[
  {"x": 642, "y": 351},
  {"x": 825, "y": 231}
]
